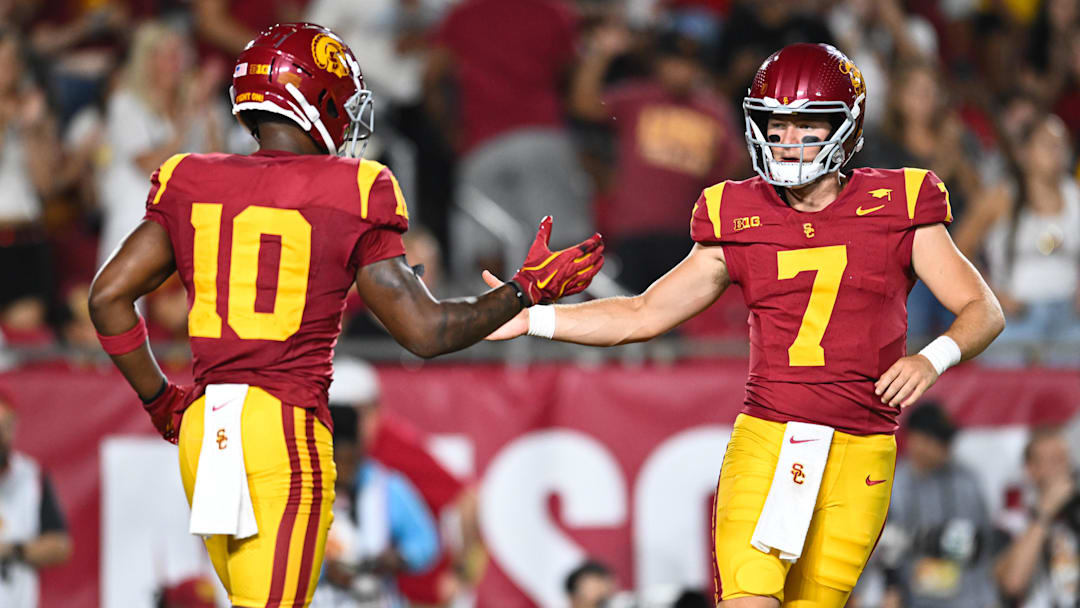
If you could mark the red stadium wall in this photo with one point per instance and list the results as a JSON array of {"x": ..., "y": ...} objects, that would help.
[{"x": 610, "y": 461}]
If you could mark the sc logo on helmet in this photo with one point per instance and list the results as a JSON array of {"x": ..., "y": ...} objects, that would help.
[{"x": 327, "y": 54}]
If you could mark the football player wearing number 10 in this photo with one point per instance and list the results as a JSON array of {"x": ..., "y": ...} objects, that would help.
[
  {"x": 267, "y": 246},
  {"x": 825, "y": 260}
]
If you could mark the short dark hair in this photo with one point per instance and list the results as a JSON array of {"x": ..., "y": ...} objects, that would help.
[
  {"x": 929, "y": 418},
  {"x": 589, "y": 567},
  {"x": 252, "y": 119}
]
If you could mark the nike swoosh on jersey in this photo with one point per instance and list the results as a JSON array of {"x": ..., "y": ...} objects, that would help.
[
  {"x": 793, "y": 440},
  {"x": 543, "y": 284},
  {"x": 218, "y": 407},
  {"x": 860, "y": 211},
  {"x": 873, "y": 482}
]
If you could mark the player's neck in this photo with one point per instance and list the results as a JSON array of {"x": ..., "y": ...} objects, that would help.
[
  {"x": 286, "y": 138},
  {"x": 816, "y": 195}
]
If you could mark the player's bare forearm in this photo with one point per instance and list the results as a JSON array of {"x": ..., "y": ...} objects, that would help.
[
  {"x": 143, "y": 262},
  {"x": 979, "y": 322},
  {"x": 605, "y": 322},
  {"x": 425, "y": 326},
  {"x": 683, "y": 292}
]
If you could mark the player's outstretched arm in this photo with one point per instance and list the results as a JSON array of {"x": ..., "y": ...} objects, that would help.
[
  {"x": 425, "y": 326},
  {"x": 961, "y": 289},
  {"x": 683, "y": 292},
  {"x": 430, "y": 327}
]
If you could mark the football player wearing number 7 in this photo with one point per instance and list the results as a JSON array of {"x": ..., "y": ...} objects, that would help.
[
  {"x": 267, "y": 246},
  {"x": 825, "y": 260}
]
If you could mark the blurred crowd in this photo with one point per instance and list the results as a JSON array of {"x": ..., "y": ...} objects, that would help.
[
  {"x": 950, "y": 542},
  {"x": 608, "y": 114}
]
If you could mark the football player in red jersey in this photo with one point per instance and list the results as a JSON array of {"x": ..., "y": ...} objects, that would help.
[
  {"x": 825, "y": 260},
  {"x": 267, "y": 246}
]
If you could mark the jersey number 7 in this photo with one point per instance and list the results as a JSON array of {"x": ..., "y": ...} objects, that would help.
[
  {"x": 829, "y": 262},
  {"x": 248, "y": 228}
]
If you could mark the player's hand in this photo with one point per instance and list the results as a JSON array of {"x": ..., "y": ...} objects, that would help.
[
  {"x": 167, "y": 410},
  {"x": 547, "y": 276},
  {"x": 903, "y": 383},
  {"x": 512, "y": 328}
]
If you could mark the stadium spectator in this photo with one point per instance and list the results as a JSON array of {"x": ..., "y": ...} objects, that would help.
[
  {"x": 590, "y": 585},
  {"x": 753, "y": 30},
  {"x": 1030, "y": 231},
  {"x": 395, "y": 443},
  {"x": 1067, "y": 104},
  {"x": 1050, "y": 48},
  {"x": 33, "y": 534},
  {"x": 82, "y": 42},
  {"x": 674, "y": 138},
  {"x": 161, "y": 106},
  {"x": 920, "y": 130},
  {"x": 876, "y": 34},
  {"x": 224, "y": 27},
  {"x": 934, "y": 539},
  {"x": 392, "y": 38},
  {"x": 381, "y": 525},
  {"x": 508, "y": 58},
  {"x": 1041, "y": 565},
  {"x": 29, "y": 157}
]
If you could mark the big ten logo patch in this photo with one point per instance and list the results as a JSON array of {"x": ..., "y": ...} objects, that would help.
[
  {"x": 222, "y": 440},
  {"x": 742, "y": 223},
  {"x": 797, "y": 474},
  {"x": 808, "y": 230},
  {"x": 678, "y": 139},
  {"x": 328, "y": 55},
  {"x": 258, "y": 68}
]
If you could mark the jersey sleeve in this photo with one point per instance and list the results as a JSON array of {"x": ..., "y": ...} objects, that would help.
[
  {"x": 927, "y": 198},
  {"x": 382, "y": 205},
  {"x": 706, "y": 223},
  {"x": 156, "y": 201}
]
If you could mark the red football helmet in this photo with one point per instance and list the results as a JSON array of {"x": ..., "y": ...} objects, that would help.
[
  {"x": 805, "y": 79},
  {"x": 305, "y": 72}
]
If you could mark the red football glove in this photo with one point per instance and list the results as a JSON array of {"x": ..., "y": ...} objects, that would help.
[
  {"x": 547, "y": 276},
  {"x": 166, "y": 411}
]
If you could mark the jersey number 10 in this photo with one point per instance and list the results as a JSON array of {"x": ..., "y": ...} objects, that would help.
[
  {"x": 829, "y": 262},
  {"x": 248, "y": 228}
]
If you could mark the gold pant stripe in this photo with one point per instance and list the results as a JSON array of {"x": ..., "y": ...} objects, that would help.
[{"x": 288, "y": 455}]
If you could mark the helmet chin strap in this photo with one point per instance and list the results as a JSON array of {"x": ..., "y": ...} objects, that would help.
[{"x": 312, "y": 114}]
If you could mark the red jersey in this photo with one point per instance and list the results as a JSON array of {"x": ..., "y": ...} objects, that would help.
[
  {"x": 827, "y": 291},
  {"x": 510, "y": 57},
  {"x": 669, "y": 148},
  {"x": 267, "y": 246}
]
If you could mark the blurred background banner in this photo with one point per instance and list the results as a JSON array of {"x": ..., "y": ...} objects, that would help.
[{"x": 618, "y": 463}]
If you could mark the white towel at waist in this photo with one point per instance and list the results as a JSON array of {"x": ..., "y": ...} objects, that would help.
[
  {"x": 221, "y": 502},
  {"x": 785, "y": 518}
]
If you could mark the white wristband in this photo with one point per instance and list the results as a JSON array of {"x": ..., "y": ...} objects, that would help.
[
  {"x": 943, "y": 353},
  {"x": 542, "y": 321}
]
